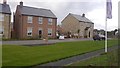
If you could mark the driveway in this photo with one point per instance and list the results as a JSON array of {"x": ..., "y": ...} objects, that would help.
[{"x": 40, "y": 42}]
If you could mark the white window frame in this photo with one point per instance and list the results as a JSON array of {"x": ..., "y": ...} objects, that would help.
[
  {"x": 30, "y": 19},
  {"x": 50, "y": 21},
  {"x": 2, "y": 17},
  {"x": 49, "y": 31},
  {"x": 40, "y": 20},
  {"x": 29, "y": 29}
]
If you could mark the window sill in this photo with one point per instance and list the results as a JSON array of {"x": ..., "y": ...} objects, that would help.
[
  {"x": 29, "y": 23},
  {"x": 40, "y": 23},
  {"x": 29, "y": 35},
  {"x": 49, "y": 35},
  {"x": 49, "y": 24}
]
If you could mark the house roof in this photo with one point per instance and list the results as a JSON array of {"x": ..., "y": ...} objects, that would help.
[
  {"x": 80, "y": 18},
  {"x": 4, "y": 8},
  {"x": 36, "y": 11}
]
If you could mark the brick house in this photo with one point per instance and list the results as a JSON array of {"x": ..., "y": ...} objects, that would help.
[
  {"x": 31, "y": 22},
  {"x": 77, "y": 24},
  {"x": 5, "y": 20}
]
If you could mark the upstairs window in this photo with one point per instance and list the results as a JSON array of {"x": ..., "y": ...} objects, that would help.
[
  {"x": 30, "y": 18},
  {"x": 49, "y": 32},
  {"x": 40, "y": 20},
  {"x": 50, "y": 21},
  {"x": 1, "y": 17},
  {"x": 29, "y": 31}
]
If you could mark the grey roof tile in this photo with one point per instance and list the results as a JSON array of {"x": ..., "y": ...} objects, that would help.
[
  {"x": 4, "y": 8},
  {"x": 80, "y": 18},
  {"x": 36, "y": 11}
]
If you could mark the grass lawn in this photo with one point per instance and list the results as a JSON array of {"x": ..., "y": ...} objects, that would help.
[
  {"x": 0, "y": 55},
  {"x": 108, "y": 59},
  {"x": 14, "y": 55}
]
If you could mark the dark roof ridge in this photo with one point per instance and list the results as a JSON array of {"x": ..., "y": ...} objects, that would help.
[
  {"x": 4, "y": 4},
  {"x": 74, "y": 14},
  {"x": 35, "y": 7}
]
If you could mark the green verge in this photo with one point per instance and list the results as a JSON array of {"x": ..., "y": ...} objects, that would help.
[
  {"x": 15, "y": 55},
  {"x": 108, "y": 59},
  {"x": 0, "y": 55}
]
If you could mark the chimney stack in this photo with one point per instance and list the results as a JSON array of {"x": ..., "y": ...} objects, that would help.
[
  {"x": 21, "y": 3},
  {"x": 4, "y": 2},
  {"x": 83, "y": 15}
]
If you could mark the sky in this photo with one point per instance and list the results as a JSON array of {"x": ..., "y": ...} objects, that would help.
[{"x": 95, "y": 10}]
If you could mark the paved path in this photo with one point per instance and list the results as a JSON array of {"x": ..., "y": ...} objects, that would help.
[
  {"x": 77, "y": 58},
  {"x": 39, "y": 42}
]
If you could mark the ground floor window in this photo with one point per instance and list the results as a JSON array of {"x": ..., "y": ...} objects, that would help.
[
  {"x": 49, "y": 32},
  {"x": 2, "y": 31},
  {"x": 29, "y": 31}
]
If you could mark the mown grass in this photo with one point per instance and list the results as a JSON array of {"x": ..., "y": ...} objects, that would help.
[
  {"x": 15, "y": 55},
  {"x": 0, "y": 55},
  {"x": 108, "y": 59}
]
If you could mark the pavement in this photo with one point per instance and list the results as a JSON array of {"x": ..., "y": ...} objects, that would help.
[
  {"x": 41, "y": 42},
  {"x": 71, "y": 60}
]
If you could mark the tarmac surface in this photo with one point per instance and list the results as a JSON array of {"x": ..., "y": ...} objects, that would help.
[{"x": 40, "y": 42}]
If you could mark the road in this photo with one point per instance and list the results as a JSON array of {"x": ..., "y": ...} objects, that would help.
[{"x": 39, "y": 42}]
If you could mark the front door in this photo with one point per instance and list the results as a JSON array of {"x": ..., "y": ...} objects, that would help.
[
  {"x": 40, "y": 33},
  {"x": 89, "y": 34},
  {"x": 85, "y": 33}
]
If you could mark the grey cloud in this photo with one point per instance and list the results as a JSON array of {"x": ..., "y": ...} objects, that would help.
[
  {"x": 61, "y": 9},
  {"x": 13, "y": 5},
  {"x": 99, "y": 26}
]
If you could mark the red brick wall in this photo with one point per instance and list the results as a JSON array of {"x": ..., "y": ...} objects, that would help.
[
  {"x": 17, "y": 24},
  {"x": 22, "y": 27}
]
